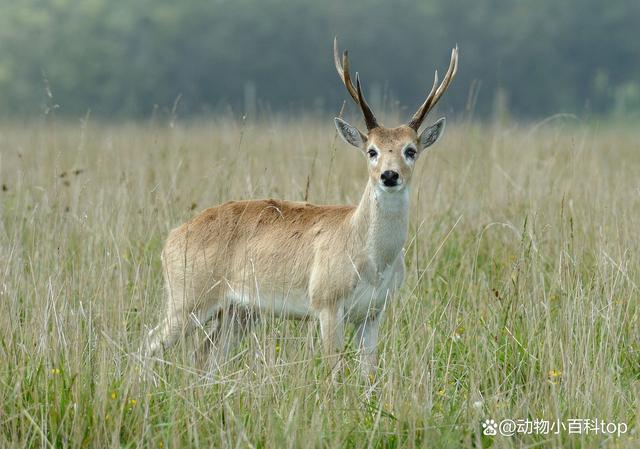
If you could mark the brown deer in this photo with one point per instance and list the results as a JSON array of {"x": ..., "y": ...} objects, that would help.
[{"x": 335, "y": 263}]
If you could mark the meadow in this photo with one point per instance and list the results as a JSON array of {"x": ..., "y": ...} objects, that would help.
[{"x": 521, "y": 298}]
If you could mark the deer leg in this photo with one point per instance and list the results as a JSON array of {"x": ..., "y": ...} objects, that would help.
[
  {"x": 332, "y": 331},
  {"x": 165, "y": 334},
  {"x": 229, "y": 328},
  {"x": 367, "y": 339},
  {"x": 211, "y": 331},
  {"x": 181, "y": 317}
]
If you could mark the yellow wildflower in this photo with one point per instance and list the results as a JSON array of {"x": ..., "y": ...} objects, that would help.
[{"x": 555, "y": 373}]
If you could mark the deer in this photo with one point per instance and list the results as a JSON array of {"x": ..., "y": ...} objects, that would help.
[{"x": 336, "y": 264}]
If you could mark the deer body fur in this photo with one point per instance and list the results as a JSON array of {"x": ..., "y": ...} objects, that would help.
[{"x": 286, "y": 258}]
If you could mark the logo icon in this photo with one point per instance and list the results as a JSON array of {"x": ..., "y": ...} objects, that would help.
[{"x": 489, "y": 427}]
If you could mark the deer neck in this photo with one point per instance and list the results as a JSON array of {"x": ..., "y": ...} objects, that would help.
[{"x": 381, "y": 221}]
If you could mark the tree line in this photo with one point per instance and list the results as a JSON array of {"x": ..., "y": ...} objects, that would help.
[{"x": 122, "y": 59}]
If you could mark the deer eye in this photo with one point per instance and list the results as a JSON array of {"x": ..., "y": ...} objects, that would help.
[
  {"x": 372, "y": 153},
  {"x": 410, "y": 153}
]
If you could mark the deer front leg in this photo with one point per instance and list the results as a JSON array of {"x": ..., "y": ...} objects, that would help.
[
  {"x": 328, "y": 287},
  {"x": 332, "y": 331},
  {"x": 367, "y": 340}
]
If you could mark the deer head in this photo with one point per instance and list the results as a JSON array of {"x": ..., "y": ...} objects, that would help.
[{"x": 392, "y": 152}]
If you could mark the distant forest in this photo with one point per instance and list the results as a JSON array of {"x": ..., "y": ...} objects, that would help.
[{"x": 134, "y": 59}]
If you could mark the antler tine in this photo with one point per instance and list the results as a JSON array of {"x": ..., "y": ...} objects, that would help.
[
  {"x": 451, "y": 72},
  {"x": 343, "y": 69},
  {"x": 369, "y": 118},
  {"x": 356, "y": 93},
  {"x": 435, "y": 94},
  {"x": 421, "y": 113}
]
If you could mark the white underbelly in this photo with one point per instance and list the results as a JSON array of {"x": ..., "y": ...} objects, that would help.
[
  {"x": 290, "y": 304},
  {"x": 366, "y": 299}
]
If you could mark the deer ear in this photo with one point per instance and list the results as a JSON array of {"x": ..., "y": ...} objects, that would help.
[
  {"x": 350, "y": 134},
  {"x": 431, "y": 134}
]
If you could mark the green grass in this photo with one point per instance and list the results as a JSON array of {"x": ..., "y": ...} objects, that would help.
[{"x": 521, "y": 299}]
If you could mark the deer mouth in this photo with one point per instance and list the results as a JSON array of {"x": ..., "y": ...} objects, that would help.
[{"x": 396, "y": 187}]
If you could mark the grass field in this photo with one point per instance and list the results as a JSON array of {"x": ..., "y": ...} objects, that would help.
[{"x": 521, "y": 300}]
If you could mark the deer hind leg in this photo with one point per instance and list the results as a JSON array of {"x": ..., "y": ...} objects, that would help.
[
  {"x": 164, "y": 334},
  {"x": 210, "y": 333},
  {"x": 184, "y": 311},
  {"x": 230, "y": 325}
]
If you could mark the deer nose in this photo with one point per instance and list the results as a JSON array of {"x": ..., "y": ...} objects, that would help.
[{"x": 389, "y": 178}]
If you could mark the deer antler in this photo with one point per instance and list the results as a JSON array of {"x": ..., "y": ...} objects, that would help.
[
  {"x": 435, "y": 94},
  {"x": 356, "y": 92}
]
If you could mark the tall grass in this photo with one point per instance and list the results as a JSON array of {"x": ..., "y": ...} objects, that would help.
[{"x": 521, "y": 299}]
